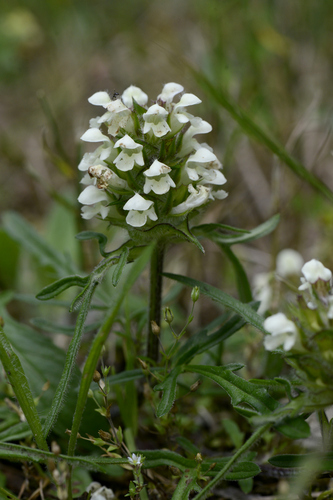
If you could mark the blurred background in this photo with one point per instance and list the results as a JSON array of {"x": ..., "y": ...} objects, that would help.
[{"x": 273, "y": 59}]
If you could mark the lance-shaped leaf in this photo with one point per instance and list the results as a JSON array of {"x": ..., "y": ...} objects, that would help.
[
  {"x": 15, "y": 373},
  {"x": 322, "y": 461},
  {"x": 51, "y": 291},
  {"x": 120, "y": 266},
  {"x": 169, "y": 387},
  {"x": 244, "y": 310},
  {"x": 212, "y": 232},
  {"x": 90, "y": 235},
  {"x": 243, "y": 285},
  {"x": 247, "y": 398}
]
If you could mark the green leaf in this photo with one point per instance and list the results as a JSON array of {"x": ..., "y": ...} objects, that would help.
[
  {"x": 243, "y": 285},
  {"x": 324, "y": 462},
  {"x": 241, "y": 392},
  {"x": 95, "y": 351},
  {"x": 243, "y": 470},
  {"x": 244, "y": 310},
  {"x": 101, "y": 238},
  {"x": 21, "y": 430},
  {"x": 18, "y": 380},
  {"x": 186, "y": 485},
  {"x": 49, "y": 326},
  {"x": 209, "y": 231},
  {"x": 253, "y": 130},
  {"x": 51, "y": 291},
  {"x": 169, "y": 387},
  {"x": 117, "y": 272},
  {"x": 294, "y": 428},
  {"x": 204, "y": 340},
  {"x": 22, "y": 232}
]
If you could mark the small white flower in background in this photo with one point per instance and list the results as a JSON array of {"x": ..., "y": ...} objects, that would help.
[
  {"x": 288, "y": 263},
  {"x": 135, "y": 93},
  {"x": 99, "y": 492},
  {"x": 145, "y": 153},
  {"x": 313, "y": 271},
  {"x": 158, "y": 178},
  {"x": 283, "y": 332},
  {"x": 135, "y": 459},
  {"x": 131, "y": 154},
  {"x": 262, "y": 291},
  {"x": 139, "y": 210}
]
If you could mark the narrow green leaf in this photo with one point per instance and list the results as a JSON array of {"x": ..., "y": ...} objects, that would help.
[
  {"x": 324, "y": 462},
  {"x": 117, "y": 272},
  {"x": 169, "y": 387},
  {"x": 15, "y": 432},
  {"x": 204, "y": 340},
  {"x": 16, "y": 376},
  {"x": 241, "y": 392},
  {"x": 243, "y": 470},
  {"x": 253, "y": 130},
  {"x": 49, "y": 326},
  {"x": 51, "y": 291},
  {"x": 59, "y": 397},
  {"x": 294, "y": 428},
  {"x": 25, "y": 234},
  {"x": 186, "y": 485},
  {"x": 244, "y": 310},
  {"x": 243, "y": 285},
  {"x": 209, "y": 231},
  {"x": 99, "y": 340}
]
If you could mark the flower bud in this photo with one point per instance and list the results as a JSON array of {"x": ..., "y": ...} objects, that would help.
[
  {"x": 155, "y": 328},
  {"x": 168, "y": 316},
  {"x": 195, "y": 294},
  {"x": 97, "y": 376}
]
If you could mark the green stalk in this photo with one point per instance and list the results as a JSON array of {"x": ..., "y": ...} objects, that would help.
[
  {"x": 246, "y": 446},
  {"x": 155, "y": 300},
  {"x": 18, "y": 380}
]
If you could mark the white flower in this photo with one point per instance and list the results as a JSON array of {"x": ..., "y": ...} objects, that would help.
[
  {"x": 288, "y": 262},
  {"x": 135, "y": 459},
  {"x": 155, "y": 120},
  {"x": 179, "y": 109},
  {"x": 116, "y": 117},
  {"x": 95, "y": 197},
  {"x": 94, "y": 135},
  {"x": 197, "y": 198},
  {"x": 198, "y": 126},
  {"x": 100, "y": 99},
  {"x": 283, "y": 332},
  {"x": 169, "y": 91},
  {"x": 99, "y": 492},
  {"x": 139, "y": 210},
  {"x": 314, "y": 270},
  {"x": 135, "y": 93},
  {"x": 199, "y": 167},
  {"x": 262, "y": 291},
  {"x": 131, "y": 154},
  {"x": 219, "y": 194},
  {"x": 158, "y": 178}
]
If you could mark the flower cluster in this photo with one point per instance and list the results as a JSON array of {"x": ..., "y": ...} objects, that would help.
[
  {"x": 148, "y": 168},
  {"x": 315, "y": 311}
]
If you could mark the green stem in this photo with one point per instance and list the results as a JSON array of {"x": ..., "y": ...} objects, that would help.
[
  {"x": 246, "y": 446},
  {"x": 155, "y": 300}
]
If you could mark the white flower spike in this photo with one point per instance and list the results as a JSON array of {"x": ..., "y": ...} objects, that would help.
[{"x": 283, "y": 332}]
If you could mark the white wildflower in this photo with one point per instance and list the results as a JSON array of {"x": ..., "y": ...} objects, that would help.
[
  {"x": 283, "y": 332},
  {"x": 169, "y": 91},
  {"x": 314, "y": 270},
  {"x": 135, "y": 93},
  {"x": 288, "y": 263},
  {"x": 158, "y": 178},
  {"x": 139, "y": 210},
  {"x": 131, "y": 154},
  {"x": 99, "y": 492},
  {"x": 135, "y": 459},
  {"x": 155, "y": 121},
  {"x": 197, "y": 198},
  {"x": 116, "y": 117}
]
